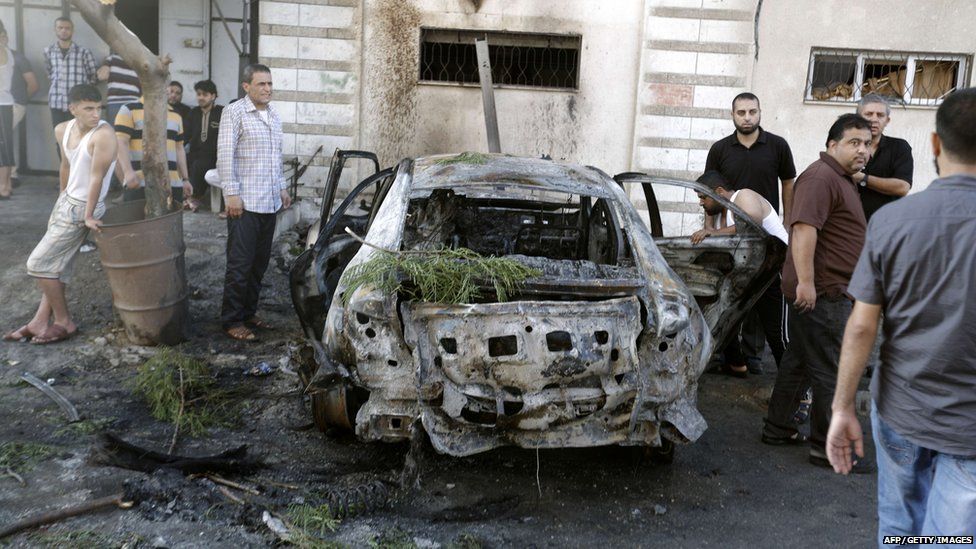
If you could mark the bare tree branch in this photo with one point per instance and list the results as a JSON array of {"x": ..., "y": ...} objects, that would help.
[{"x": 153, "y": 74}]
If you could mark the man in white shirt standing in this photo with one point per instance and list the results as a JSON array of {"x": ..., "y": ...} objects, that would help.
[
  {"x": 88, "y": 149},
  {"x": 249, "y": 162}
]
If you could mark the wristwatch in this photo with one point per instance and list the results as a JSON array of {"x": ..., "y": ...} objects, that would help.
[{"x": 864, "y": 181}]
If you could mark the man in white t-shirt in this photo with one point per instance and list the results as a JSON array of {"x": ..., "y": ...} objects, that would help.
[
  {"x": 770, "y": 305},
  {"x": 88, "y": 150}
]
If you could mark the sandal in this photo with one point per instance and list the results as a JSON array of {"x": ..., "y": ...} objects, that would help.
[
  {"x": 20, "y": 334},
  {"x": 53, "y": 334},
  {"x": 240, "y": 333},
  {"x": 256, "y": 322}
]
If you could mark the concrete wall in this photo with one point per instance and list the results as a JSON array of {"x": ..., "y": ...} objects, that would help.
[
  {"x": 696, "y": 57},
  {"x": 656, "y": 79},
  {"x": 788, "y": 31},
  {"x": 313, "y": 49}
]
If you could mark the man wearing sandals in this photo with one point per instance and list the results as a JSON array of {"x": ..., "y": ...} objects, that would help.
[
  {"x": 88, "y": 150},
  {"x": 918, "y": 268},
  {"x": 249, "y": 162}
]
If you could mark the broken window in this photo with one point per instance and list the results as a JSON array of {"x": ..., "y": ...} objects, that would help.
[
  {"x": 517, "y": 59},
  {"x": 908, "y": 78}
]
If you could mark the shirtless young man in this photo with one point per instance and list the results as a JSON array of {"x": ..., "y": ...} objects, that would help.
[
  {"x": 770, "y": 306},
  {"x": 88, "y": 150}
]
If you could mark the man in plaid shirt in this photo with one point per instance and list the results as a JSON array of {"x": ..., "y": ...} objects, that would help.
[
  {"x": 249, "y": 163},
  {"x": 68, "y": 65}
]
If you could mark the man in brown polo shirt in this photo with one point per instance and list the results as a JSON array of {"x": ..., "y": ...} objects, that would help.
[{"x": 828, "y": 226}]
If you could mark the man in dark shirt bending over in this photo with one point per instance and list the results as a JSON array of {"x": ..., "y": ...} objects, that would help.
[{"x": 888, "y": 175}]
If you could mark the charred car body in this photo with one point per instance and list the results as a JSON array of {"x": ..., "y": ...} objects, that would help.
[{"x": 605, "y": 347}]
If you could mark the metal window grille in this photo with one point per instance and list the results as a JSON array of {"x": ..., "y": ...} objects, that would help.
[
  {"x": 845, "y": 76},
  {"x": 517, "y": 59}
]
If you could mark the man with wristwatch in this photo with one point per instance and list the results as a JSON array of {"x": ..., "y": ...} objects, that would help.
[{"x": 888, "y": 174}]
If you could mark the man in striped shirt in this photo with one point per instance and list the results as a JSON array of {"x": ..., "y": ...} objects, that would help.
[
  {"x": 123, "y": 85},
  {"x": 129, "y": 124},
  {"x": 249, "y": 162},
  {"x": 68, "y": 65}
]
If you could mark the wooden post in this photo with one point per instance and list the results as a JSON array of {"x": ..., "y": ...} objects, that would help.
[
  {"x": 153, "y": 74},
  {"x": 488, "y": 95}
]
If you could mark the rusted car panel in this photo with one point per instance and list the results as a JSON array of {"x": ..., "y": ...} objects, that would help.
[{"x": 605, "y": 347}]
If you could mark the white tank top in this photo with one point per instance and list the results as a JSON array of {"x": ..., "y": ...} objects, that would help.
[
  {"x": 6, "y": 79},
  {"x": 79, "y": 162},
  {"x": 771, "y": 223}
]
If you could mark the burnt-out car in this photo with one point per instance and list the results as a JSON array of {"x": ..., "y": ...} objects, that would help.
[{"x": 604, "y": 347}]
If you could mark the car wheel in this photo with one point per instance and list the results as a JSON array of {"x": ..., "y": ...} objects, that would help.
[
  {"x": 335, "y": 408},
  {"x": 663, "y": 454}
]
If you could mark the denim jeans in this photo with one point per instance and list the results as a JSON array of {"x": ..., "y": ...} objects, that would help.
[{"x": 921, "y": 492}]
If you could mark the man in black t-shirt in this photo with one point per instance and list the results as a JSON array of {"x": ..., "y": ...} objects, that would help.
[
  {"x": 888, "y": 175},
  {"x": 752, "y": 158}
]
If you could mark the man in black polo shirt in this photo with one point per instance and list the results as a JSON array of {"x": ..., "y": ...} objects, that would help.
[
  {"x": 888, "y": 175},
  {"x": 752, "y": 158}
]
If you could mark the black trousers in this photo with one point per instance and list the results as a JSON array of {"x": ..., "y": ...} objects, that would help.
[
  {"x": 198, "y": 171},
  {"x": 248, "y": 253},
  {"x": 770, "y": 310},
  {"x": 58, "y": 116},
  {"x": 815, "y": 341}
]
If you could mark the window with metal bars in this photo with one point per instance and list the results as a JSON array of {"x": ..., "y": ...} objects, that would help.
[
  {"x": 909, "y": 78},
  {"x": 517, "y": 59}
]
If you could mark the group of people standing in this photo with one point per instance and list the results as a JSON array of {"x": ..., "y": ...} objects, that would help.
[
  {"x": 245, "y": 139},
  {"x": 191, "y": 133},
  {"x": 859, "y": 256}
]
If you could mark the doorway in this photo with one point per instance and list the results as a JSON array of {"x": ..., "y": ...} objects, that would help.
[{"x": 142, "y": 18}]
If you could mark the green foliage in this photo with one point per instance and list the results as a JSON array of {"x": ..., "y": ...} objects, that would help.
[
  {"x": 438, "y": 276},
  {"x": 85, "y": 427},
  {"x": 179, "y": 389},
  {"x": 308, "y": 523},
  {"x": 465, "y": 158},
  {"x": 311, "y": 518},
  {"x": 21, "y": 457}
]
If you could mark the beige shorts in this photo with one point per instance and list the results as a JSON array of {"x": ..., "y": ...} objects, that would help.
[{"x": 54, "y": 256}]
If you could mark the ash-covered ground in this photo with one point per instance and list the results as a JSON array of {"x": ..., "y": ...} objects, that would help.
[{"x": 725, "y": 490}]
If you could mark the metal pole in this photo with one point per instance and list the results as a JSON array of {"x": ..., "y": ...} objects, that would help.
[{"x": 488, "y": 95}]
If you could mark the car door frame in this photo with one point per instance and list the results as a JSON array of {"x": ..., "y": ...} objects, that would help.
[
  {"x": 328, "y": 257},
  {"x": 723, "y": 315}
]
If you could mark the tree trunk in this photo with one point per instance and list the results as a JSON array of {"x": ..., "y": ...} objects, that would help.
[{"x": 153, "y": 74}]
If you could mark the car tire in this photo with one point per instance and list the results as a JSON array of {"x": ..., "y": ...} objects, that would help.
[
  {"x": 335, "y": 409},
  {"x": 661, "y": 455}
]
